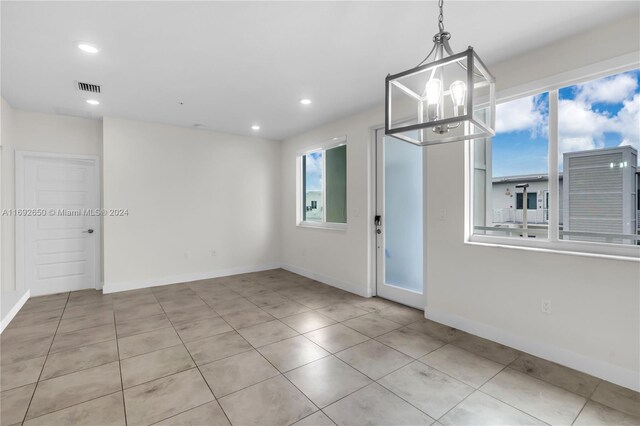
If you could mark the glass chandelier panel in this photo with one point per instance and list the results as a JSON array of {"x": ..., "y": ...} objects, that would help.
[{"x": 449, "y": 99}]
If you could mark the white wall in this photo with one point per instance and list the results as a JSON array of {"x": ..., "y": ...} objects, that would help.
[
  {"x": 30, "y": 131},
  {"x": 188, "y": 192},
  {"x": 6, "y": 166},
  {"x": 337, "y": 257},
  {"x": 595, "y": 324}
]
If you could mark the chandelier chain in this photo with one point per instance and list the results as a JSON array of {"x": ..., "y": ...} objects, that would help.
[{"x": 441, "y": 16}]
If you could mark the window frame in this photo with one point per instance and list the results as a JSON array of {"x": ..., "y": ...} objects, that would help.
[
  {"x": 552, "y": 243},
  {"x": 300, "y": 222}
]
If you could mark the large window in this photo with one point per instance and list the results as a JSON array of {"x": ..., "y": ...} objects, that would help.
[
  {"x": 574, "y": 152},
  {"x": 598, "y": 134},
  {"x": 514, "y": 166},
  {"x": 323, "y": 183}
]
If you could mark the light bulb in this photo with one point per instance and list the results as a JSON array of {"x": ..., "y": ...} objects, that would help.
[
  {"x": 458, "y": 92},
  {"x": 433, "y": 89}
]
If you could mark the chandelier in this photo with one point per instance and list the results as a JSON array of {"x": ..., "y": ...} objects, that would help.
[{"x": 451, "y": 98}]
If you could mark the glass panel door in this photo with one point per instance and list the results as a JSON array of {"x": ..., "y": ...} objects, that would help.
[{"x": 399, "y": 227}]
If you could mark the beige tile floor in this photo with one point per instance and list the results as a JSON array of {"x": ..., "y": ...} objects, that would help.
[{"x": 275, "y": 348}]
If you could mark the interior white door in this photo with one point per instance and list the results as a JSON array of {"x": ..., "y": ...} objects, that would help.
[
  {"x": 399, "y": 221},
  {"x": 59, "y": 198}
]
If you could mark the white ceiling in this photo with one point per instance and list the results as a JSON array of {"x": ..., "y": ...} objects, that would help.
[{"x": 234, "y": 64}]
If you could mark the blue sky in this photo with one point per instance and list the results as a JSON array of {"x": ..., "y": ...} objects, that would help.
[
  {"x": 601, "y": 113},
  {"x": 314, "y": 171}
]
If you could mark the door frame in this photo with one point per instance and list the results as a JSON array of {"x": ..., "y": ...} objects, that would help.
[
  {"x": 375, "y": 179},
  {"x": 20, "y": 158}
]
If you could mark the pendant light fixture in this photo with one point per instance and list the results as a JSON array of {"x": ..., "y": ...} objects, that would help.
[{"x": 451, "y": 98}]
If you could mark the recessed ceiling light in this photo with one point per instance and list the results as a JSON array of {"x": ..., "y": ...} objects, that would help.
[
  {"x": 93, "y": 102},
  {"x": 255, "y": 127},
  {"x": 305, "y": 101},
  {"x": 85, "y": 47}
]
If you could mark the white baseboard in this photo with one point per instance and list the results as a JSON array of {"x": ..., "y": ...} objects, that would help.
[
  {"x": 14, "y": 310},
  {"x": 335, "y": 282},
  {"x": 183, "y": 278},
  {"x": 604, "y": 370}
]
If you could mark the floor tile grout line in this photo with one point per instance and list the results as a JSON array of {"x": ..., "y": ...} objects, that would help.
[
  {"x": 82, "y": 369},
  {"x": 407, "y": 364},
  {"x": 12, "y": 326},
  {"x": 78, "y": 347},
  {"x": 507, "y": 403},
  {"x": 454, "y": 407},
  {"x": 81, "y": 329},
  {"x": 520, "y": 354},
  {"x": 315, "y": 412},
  {"x": 38, "y": 312},
  {"x": 287, "y": 379},
  {"x": 71, "y": 406},
  {"x": 124, "y": 402},
  {"x": 142, "y": 332},
  {"x": 195, "y": 363},
  {"x": 588, "y": 398},
  {"x": 86, "y": 328},
  {"x": 478, "y": 389},
  {"x": 194, "y": 408},
  {"x": 337, "y": 322},
  {"x": 474, "y": 389},
  {"x": 580, "y": 412},
  {"x": 280, "y": 374},
  {"x": 24, "y": 418},
  {"x": 404, "y": 399},
  {"x": 452, "y": 342},
  {"x": 151, "y": 351},
  {"x": 371, "y": 381}
]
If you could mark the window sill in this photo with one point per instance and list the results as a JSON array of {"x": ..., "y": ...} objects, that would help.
[
  {"x": 321, "y": 225},
  {"x": 573, "y": 248}
]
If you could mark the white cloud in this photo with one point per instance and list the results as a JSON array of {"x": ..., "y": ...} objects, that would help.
[
  {"x": 580, "y": 128},
  {"x": 314, "y": 163},
  {"x": 584, "y": 143},
  {"x": 609, "y": 90},
  {"x": 314, "y": 172},
  {"x": 627, "y": 122},
  {"x": 520, "y": 114}
]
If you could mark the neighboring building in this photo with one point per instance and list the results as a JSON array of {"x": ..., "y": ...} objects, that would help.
[
  {"x": 507, "y": 201},
  {"x": 599, "y": 193},
  {"x": 313, "y": 206}
]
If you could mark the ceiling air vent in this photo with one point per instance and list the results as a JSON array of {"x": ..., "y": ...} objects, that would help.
[{"x": 88, "y": 87}]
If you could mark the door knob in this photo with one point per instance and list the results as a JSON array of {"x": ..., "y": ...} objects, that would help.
[{"x": 88, "y": 231}]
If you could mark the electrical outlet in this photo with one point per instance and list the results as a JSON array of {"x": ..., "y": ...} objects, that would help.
[{"x": 546, "y": 306}]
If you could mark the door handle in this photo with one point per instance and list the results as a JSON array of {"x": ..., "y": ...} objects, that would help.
[
  {"x": 88, "y": 231},
  {"x": 377, "y": 220}
]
